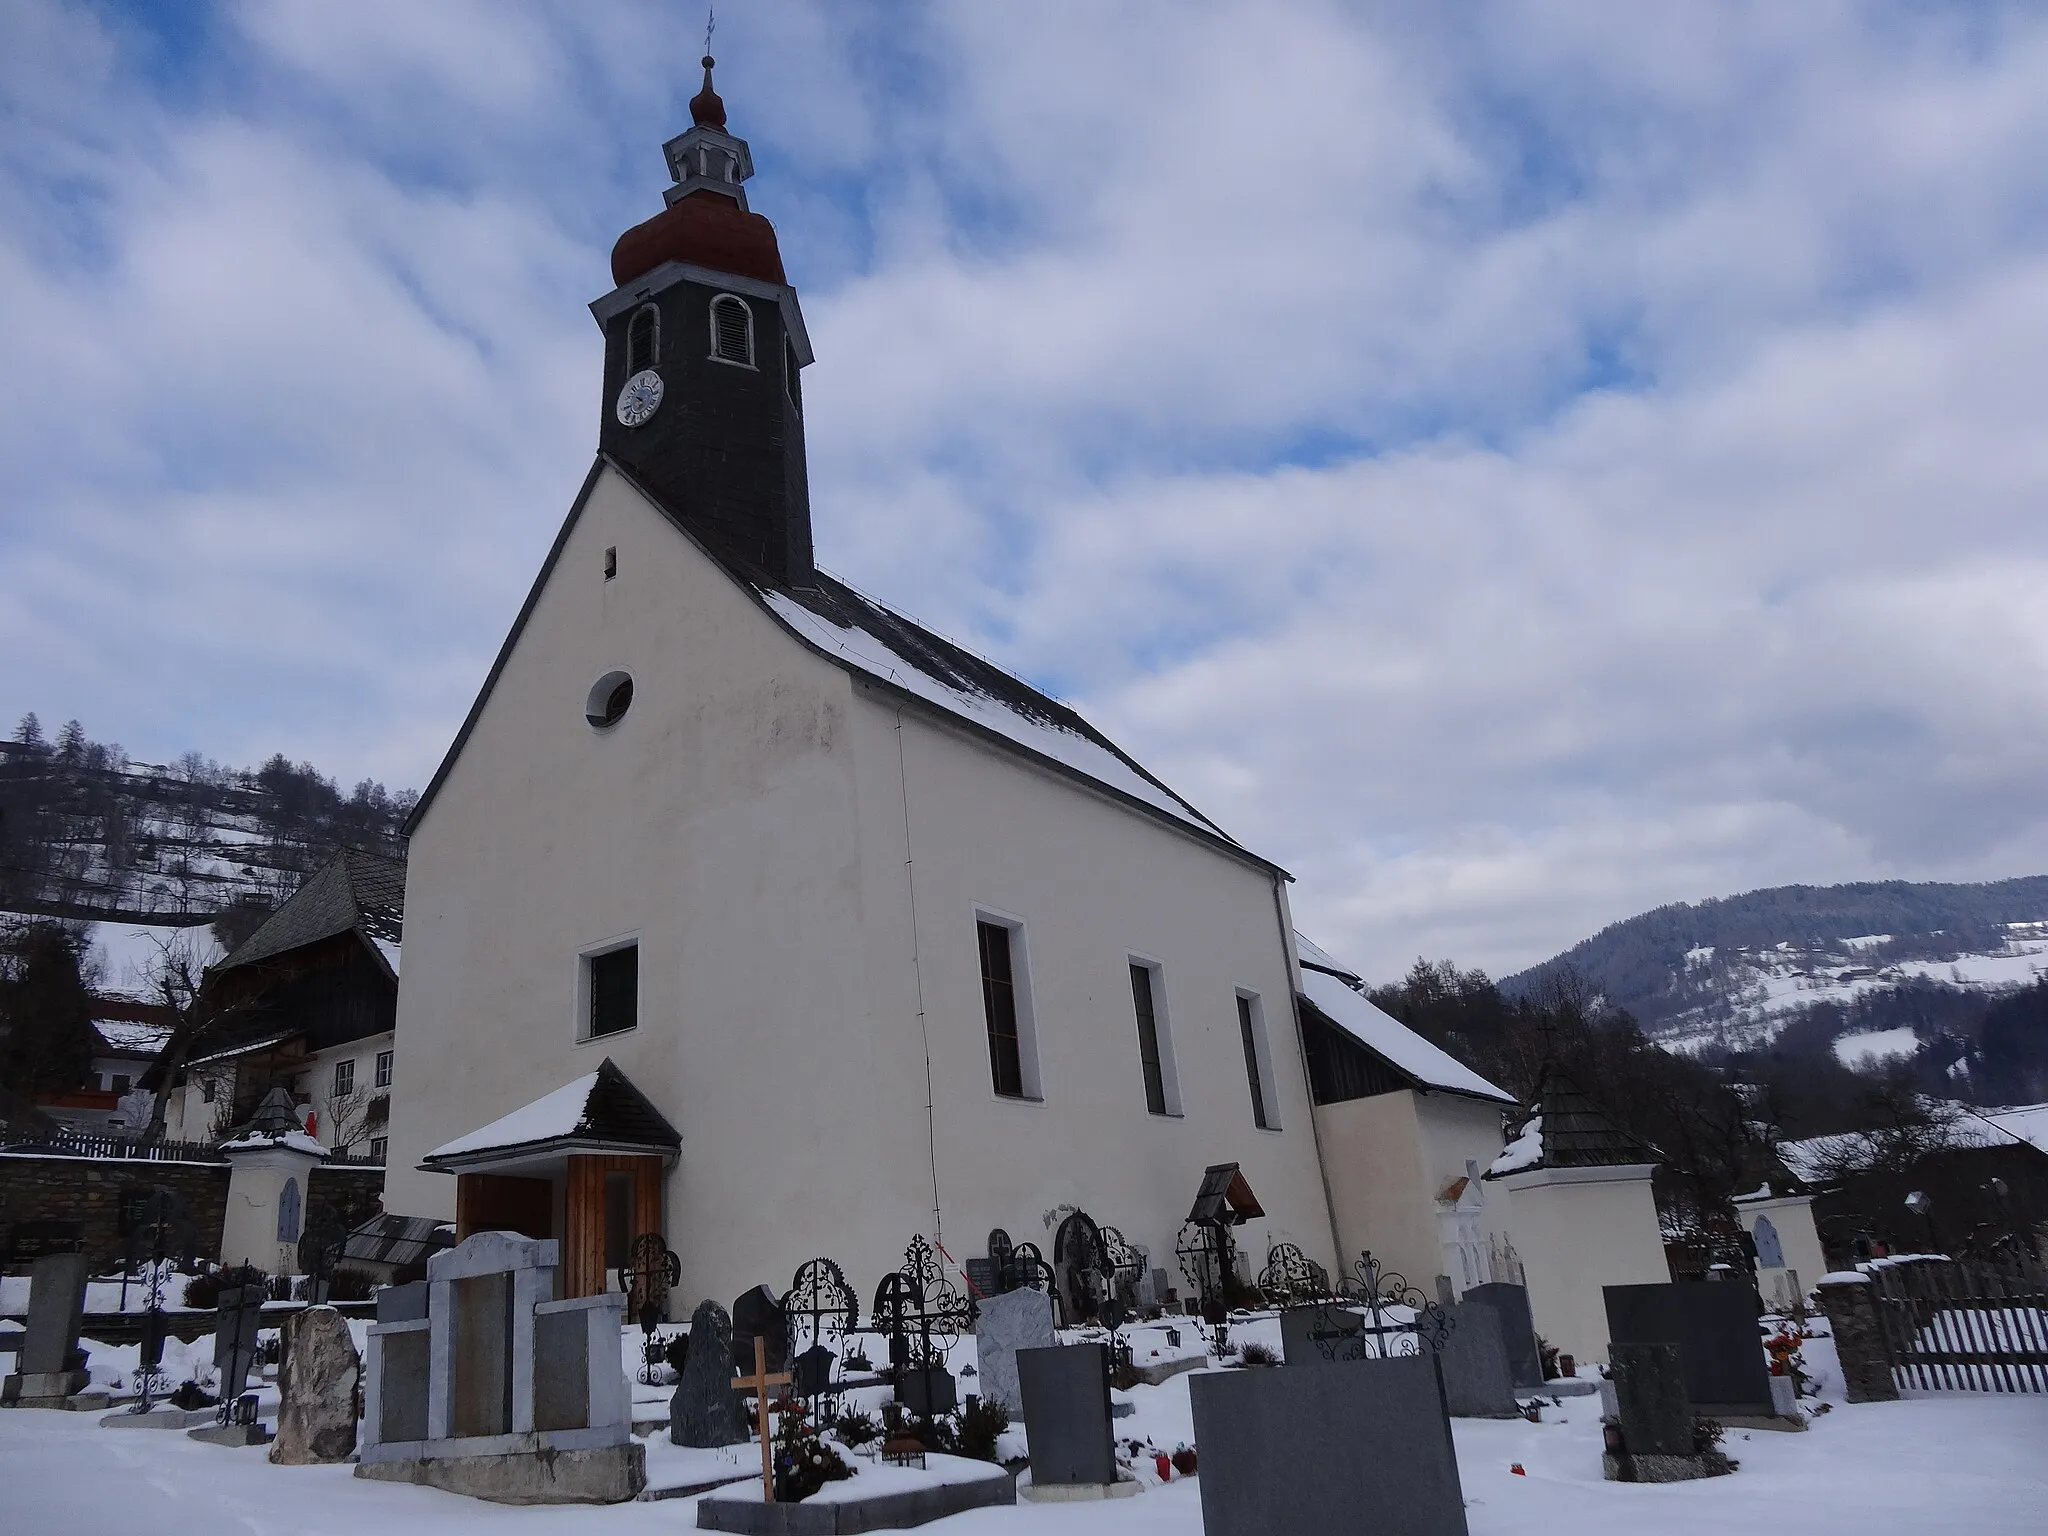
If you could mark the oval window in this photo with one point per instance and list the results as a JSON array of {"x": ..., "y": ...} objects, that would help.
[{"x": 610, "y": 697}]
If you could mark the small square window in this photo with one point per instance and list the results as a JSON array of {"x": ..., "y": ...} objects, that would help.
[
  {"x": 614, "y": 991},
  {"x": 384, "y": 1069}
]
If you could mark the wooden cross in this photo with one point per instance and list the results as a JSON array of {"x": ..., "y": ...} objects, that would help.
[{"x": 758, "y": 1384}]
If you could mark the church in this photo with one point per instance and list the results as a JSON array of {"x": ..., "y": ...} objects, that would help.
[{"x": 745, "y": 910}]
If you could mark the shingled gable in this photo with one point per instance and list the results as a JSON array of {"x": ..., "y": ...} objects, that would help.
[
  {"x": 903, "y": 659},
  {"x": 353, "y": 890},
  {"x": 600, "y": 1111},
  {"x": 1565, "y": 1129}
]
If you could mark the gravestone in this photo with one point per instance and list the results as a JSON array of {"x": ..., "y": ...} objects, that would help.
[
  {"x": 317, "y": 1391},
  {"x": 401, "y": 1412},
  {"x": 50, "y": 1368},
  {"x": 1012, "y": 1321},
  {"x": 703, "y": 1411},
  {"x": 526, "y": 1400},
  {"x": 758, "y": 1314},
  {"x": 1327, "y": 1453},
  {"x": 1655, "y": 1417},
  {"x": 1477, "y": 1384},
  {"x": 810, "y": 1373},
  {"x": 985, "y": 1275},
  {"x": 1067, "y": 1415},
  {"x": 1517, "y": 1330},
  {"x": 1715, "y": 1329},
  {"x": 237, "y": 1314},
  {"x": 1321, "y": 1335}
]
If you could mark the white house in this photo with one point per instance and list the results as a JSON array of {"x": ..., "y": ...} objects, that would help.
[{"x": 747, "y": 910}]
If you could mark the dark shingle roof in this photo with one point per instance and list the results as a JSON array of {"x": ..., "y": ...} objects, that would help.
[
  {"x": 1577, "y": 1134},
  {"x": 353, "y": 890}
]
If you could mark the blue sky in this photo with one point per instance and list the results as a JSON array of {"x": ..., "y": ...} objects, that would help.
[{"x": 1513, "y": 464}]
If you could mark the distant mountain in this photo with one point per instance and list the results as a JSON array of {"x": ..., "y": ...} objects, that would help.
[
  {"x": 87, "y": 835},
  {"x": 1735, "y": 971}
]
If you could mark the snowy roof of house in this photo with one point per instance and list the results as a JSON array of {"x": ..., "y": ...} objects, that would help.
[
  {"x": 353, "y": 890},
  {"x": 1565, "y": 1129},
  {"x": 128, "y": 1028},
  {"x": 2029, "y": 1122},
  {"x": 1333, "y": 991},
  {"x": 1817, "y": 1159},
  {"x": 886, "y": 648},
  {"x": 601, "y": 1106}
]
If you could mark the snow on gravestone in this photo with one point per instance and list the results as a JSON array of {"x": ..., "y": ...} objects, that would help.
[{"x": 316, "y": 1417}]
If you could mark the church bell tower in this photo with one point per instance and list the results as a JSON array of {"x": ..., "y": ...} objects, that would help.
[{"x": 704, "y": 346}]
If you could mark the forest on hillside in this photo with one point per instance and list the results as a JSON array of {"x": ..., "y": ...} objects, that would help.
[{"x": 88, "y": 835}]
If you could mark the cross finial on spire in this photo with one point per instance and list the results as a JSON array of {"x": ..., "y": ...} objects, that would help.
[
  {"x": 710, "y": 25},
  {"x": 706, "y": 110}
]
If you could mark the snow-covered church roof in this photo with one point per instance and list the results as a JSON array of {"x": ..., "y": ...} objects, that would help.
[
  {"x": 1335, "y": 991},
  {"x": 898, "y": 654}
]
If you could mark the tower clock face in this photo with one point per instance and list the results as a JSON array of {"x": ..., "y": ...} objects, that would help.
[{"x": 640, "y": 399}]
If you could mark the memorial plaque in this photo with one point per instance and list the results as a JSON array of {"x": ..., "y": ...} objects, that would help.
[
  {"x": 1517, "y": 1329},
  {"x": 1714, "y": 1326},
  {"x": 1066, "y": 1414}
]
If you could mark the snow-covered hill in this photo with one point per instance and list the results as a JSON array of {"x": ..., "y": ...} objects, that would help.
[{"x": 1751, "y": 993}]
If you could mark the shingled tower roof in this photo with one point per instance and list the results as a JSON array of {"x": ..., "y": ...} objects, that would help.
[{"x": 1566, "y": 1129}]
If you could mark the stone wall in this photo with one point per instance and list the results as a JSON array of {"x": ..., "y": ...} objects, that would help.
[
  {"x": 88, "y": 1190},
  {"x": 1859, "y": 1338}
]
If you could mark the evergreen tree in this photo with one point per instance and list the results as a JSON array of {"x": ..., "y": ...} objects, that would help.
[
  {"x": 29, "y": 730},
  {"x": 71, "y": 742},
  {"x": 46, "y": 1034}
]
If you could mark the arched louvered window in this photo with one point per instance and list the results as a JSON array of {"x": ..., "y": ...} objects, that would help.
[
  {"x": 732, "y": 330},
  {"x": 288, "y": 1212},
  {"x": 643, "y": 339}
]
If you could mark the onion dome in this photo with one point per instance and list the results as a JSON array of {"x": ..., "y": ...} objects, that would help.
[
  {"x": 705, "y": 229},
  {"x": 706, "y": 110}
]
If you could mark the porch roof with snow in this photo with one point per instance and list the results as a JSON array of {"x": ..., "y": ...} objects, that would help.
[
  {"x": 1333, "y": 991},
  {"x": 599, "y": 1112}
]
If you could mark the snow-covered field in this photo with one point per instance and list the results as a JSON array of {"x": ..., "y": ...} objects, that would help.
[{"x": 1966, "y": 1462}]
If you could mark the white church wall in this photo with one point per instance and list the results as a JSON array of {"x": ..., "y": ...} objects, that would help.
[
  {"x": 1579, "y": 1230},
  {"x": 1379, "y": 1185},
  {"x": 1094, "y": 885},
  {"x": 715, "y": 824}
]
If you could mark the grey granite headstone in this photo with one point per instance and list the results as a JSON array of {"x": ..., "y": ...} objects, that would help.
[
  {"x": 402, "y": 1412},
  {"x": 1475, "y": 1366},
  {"x": 480, "y": 1395},
  {"x": 56, "y": 1307},
  {"x": 1010, "y": 1322},
  {"x": 703, "y": 1411},
  {"x": 561, "y": 1371},
  {"x": 1715, "y": 1329},
  {"x": 758, "y": 1314},
  {"x": 1066, "y": 1414},
  {"x": 1650, "y": 1399},
  {"x": 402, "y": 1303},
  {"x": 1320, "y": 1335},
  {"x": 1327, "y": 1453},
  {"x": 1517, "y": 1329}
]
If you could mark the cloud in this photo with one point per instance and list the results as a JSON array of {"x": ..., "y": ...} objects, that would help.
[{"x": 1514, "y": 466}]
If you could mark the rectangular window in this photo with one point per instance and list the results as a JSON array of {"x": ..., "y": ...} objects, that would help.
[
  {"x": 999, "y": 1005},
  {"x": 1248, "y": 1028},
  {"x": 380, "y": 1148},
  {"x": 384, "y": 1069},
  {"x": 614, "y": 991},
  {"x": 611, "y": 561},
  {"x": 344, "y": 1077},
  {"x": 1148, "y": 1038},
  {"x": 207, "y": 1087},
  {"x": 121, "y": 1082}
]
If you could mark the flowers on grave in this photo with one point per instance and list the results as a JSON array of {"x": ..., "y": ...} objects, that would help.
[
  {"x": 804, "y": 1462},
  {"x": 856, "y": 1428},
  {"x": 1184, "y": 1461},
  {"x": 1786, "y": 1360}
]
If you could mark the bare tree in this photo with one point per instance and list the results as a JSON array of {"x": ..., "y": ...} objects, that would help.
[{"x": 175, "y": 977}]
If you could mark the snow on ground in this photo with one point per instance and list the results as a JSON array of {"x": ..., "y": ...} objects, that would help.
[
  {"x": 1957, "y": 1461},
  {"x": 1875, "y": 1045}
]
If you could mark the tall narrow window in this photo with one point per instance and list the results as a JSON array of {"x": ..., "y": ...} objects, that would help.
[
  {"x": 344, "y": 1077},
  {"x": 380, "y": 1148},
  {"x": 384, "y": 1069},
  {"x": 1248, "y": 1028},
  {"x": 791, "y": 375},
  {"x": 732, "y": 330},
  {"x": 614, "y": 991},
  {"x": 288, "y": 1212},
  {"x": 999, "y": 1004},
  {"x": 1148, "y": 1038},
  {"x": 643, "y": 339}
]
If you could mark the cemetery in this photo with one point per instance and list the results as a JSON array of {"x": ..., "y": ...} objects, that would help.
[{"x": 1061, "y": 1386}]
